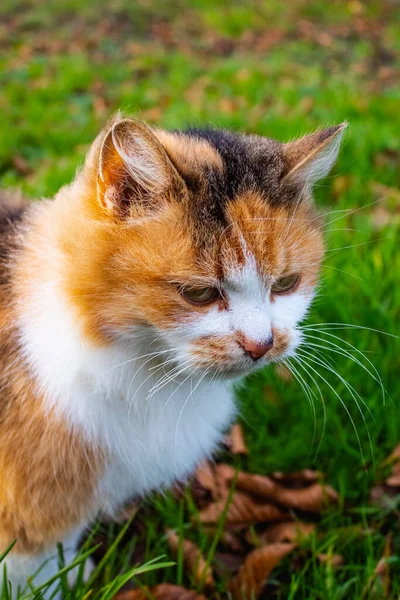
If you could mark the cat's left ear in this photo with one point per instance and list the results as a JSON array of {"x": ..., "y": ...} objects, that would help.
[
  {"x": 134, "y": 169},
  {"x": 311, "y": 157}
]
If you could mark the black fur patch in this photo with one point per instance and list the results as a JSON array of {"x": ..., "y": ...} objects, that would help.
[
  {"x": 12, "y": 208},
  {"x": 251, "y": 163}
]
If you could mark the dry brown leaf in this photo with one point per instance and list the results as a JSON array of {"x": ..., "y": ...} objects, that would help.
[
  {"x": 381, "y": 494},
  {"x": 216, "y": 480},
  {"x": 313, "y": 498},
  {"x": 333, "y": 560},
  {"x": 205, "y": 475},
  {"x": 235, "y": 440},
  {"x": 289, "y": 531},
  {"x": 393, "y": 459},
  {"x": 233, "y": 542},
  {"x": 224, "y": 476},
  {"x": 243, "y": 510},
  {"x": 395, "y": 455},
  {"x": 382, "y": 569},
  {"x": 227, "y": 564},
  {"x": 193, "y": 559},
  {"x": 225, "y": 473},
  {"x": 164, "y": 591},
  {"x": 394, "y": 479},
  {"x": 252, "y": 575},
  {"x": 298, "y": 478}
]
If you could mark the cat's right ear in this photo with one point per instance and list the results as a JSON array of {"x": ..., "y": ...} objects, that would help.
[
  {"x": 311, "y": 157},
  {"x": 133, "y": 168}
]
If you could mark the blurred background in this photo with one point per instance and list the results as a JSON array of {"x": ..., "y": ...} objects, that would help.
[{"x": 279, "y": 69}]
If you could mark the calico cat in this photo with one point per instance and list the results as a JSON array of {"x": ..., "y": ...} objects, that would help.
[{"x": 172, "y": 265}]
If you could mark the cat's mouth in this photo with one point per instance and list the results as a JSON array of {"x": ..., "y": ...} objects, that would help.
[{"x": 232, "y": 370}]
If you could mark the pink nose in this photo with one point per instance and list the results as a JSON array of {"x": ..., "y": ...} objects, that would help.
[{"x": 256, "y": 350}]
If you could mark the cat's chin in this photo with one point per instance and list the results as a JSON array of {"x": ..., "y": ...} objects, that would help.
[
  {"x": 238, "y": 371},
  {"x": 230, "y": 372}
]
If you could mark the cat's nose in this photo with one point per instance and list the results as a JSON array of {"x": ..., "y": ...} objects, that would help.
[{"x": 255, "y": 349}]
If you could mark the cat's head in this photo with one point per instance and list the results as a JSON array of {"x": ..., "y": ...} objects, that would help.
[{"x": 207, "y": 242}]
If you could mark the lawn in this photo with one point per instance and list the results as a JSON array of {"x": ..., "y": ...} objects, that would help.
[{"x": 281, "y": 70}]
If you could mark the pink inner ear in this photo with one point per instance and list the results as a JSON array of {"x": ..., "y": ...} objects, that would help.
[{"x": 131, "y": 158}]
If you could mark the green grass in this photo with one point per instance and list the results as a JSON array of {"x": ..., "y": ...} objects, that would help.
[{"x": 66, "y": 66}]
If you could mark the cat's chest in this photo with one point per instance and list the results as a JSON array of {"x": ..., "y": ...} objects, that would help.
[
  {"x": 154, "y": 438},
  {"x": 152, "y": 427}
]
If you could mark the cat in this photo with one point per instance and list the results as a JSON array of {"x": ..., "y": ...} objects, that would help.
[{"x": 174, "y": 264}]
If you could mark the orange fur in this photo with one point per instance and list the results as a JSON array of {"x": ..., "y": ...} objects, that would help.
[{"x": 47, "y": 472}]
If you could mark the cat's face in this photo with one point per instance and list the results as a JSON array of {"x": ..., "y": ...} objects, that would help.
[{"x": 207, "y": 243}]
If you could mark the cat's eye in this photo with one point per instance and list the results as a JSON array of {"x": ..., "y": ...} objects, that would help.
[
  {"x": 285, "y": 284},
  {"x": 200, "y": 295}
]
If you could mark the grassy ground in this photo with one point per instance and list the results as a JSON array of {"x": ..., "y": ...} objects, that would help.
[{"x": 274, "y": 68}]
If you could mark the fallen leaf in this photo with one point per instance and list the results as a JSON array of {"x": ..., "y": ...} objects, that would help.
[
  {"x": 333, "y": 560},
  {"x": 289, "y": 531},
  {"x": 225, "y": 473},
  {"x": 252, "y": 575},
  {"x": 382, "y": 569},
  {"x": 381, "y": 494},
  {"x": 227, "y": 564},
  {"x": 235, "y": 440},
  {"x": 201, "y": 496},
  {"x": 205, "y": 476},
  {"x": 395, "y": 455},
  {"x": 298, "y": 478},
  {"x": 224, "y": 476},
  {"x": 233, "y": 542},
  {"x": 313, "y": 498},
  {"x": 193, "y": 559},
  {"x": 394, "y": 479},
  {"x": 164, "y": 591},
  {"x": 215, "y": 479},
  {"x": 243, "y": 510}
]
